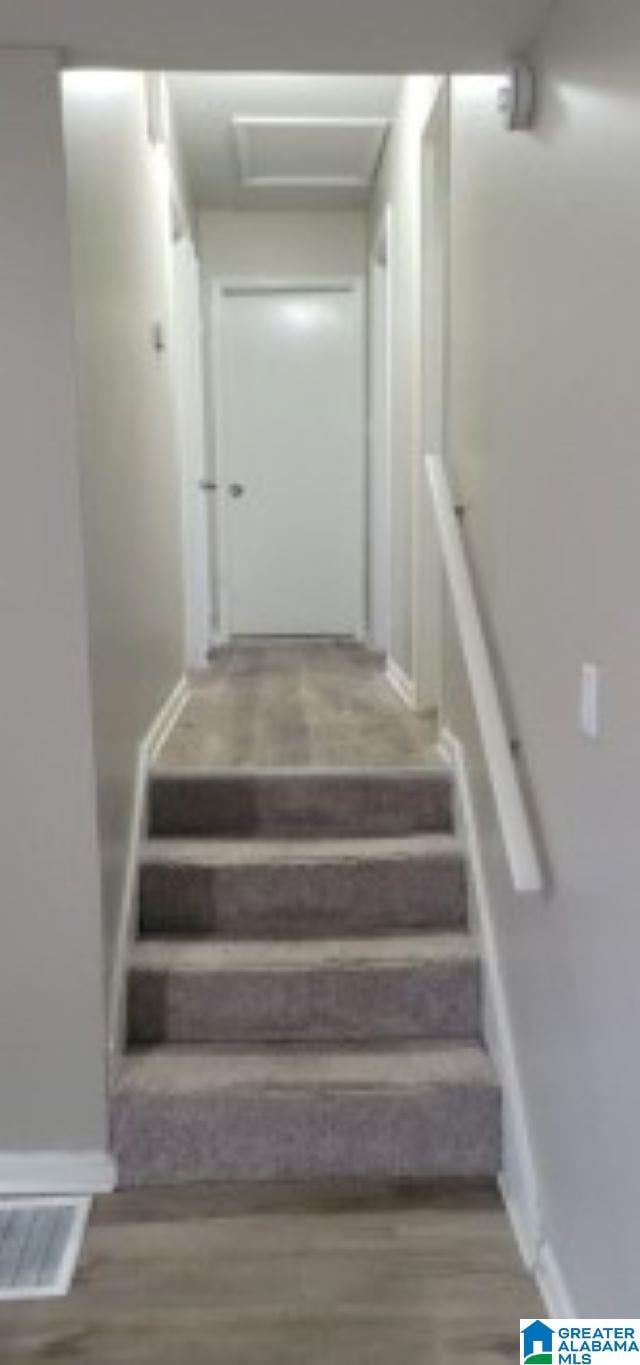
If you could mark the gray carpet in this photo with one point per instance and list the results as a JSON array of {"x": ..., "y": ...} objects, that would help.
[
  {"x": 287, "y": 704},
  {"x": 304, "y": 995},
  {"x": 268, "y": 888},
  {"x": 297, "y": 803},
  {"x": 186, "y": 1116}
]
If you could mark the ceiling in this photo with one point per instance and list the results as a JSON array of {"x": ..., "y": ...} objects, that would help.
[
  {"x": 273, "y": 35},
  {"x": 259, "y": 141}
]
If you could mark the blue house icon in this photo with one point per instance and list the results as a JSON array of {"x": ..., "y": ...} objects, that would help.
[{"x": 537, "y": 1342}]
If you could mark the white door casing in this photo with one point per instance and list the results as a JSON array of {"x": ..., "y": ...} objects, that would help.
[
  {"x": 288, "y": 397},
  {"x": 379, "y": 467},
  {"x": 189, "y": 402},
  {"x": 428, "y": 580}
]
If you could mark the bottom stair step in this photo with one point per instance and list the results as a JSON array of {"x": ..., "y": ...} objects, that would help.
[{"x": 194, "y": 1114}]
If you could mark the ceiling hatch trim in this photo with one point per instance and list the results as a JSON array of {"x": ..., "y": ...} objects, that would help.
[{"x": 287, "y": 152}]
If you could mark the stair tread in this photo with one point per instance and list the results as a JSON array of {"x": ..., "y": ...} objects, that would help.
[
  {"x": 427, "y": 771},
  {"x": 185, "y": 1070},
  {"x": 221, "y": 852},
  {"x": 388, "y": 951}
]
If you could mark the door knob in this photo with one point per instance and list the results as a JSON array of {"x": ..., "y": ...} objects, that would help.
[
  {"x": 236, "y": 490},
  {"x": 208, "y": 486}
]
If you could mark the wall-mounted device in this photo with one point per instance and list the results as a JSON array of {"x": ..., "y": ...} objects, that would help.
[
  {"x": 590, "y": 687},
  {"x": 516, "y": 97}
]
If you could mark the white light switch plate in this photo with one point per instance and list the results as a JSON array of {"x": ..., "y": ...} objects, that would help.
[{"x": 590, "y": 700}]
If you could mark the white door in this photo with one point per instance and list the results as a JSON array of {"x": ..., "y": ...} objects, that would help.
[{"x": 290, "y": 428}]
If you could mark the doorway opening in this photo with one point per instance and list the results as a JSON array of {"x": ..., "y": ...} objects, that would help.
[{"x": 286, "y": 494}]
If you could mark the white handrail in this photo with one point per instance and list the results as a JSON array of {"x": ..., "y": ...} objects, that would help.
[{"x": 521, "y": 852}]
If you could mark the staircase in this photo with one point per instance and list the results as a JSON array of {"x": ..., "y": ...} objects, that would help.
[{"x": 304, "y": 997}]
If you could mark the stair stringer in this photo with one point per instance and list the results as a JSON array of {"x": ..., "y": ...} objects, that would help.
[{"x": 518, "y": 1179}]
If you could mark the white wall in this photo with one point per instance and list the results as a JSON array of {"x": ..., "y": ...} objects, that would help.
[
  {"x": 275, "y": 35},
  {"x": 51, "y": 1026},
  {"x": 544, "y": 433},
  {"x": 283, "y": 245},
  {"x": 399, "y": 185},
  {"x": 130, "y": 478}
]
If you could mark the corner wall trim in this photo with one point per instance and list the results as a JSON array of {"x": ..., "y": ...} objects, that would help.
[
  {"x": 85, "y": 1172},
  {"x": 148, "y": 748},
  {"x": 518, "y": 1179},
  {"x": 401, "y": 684}
]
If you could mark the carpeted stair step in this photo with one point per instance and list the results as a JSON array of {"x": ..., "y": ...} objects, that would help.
[
  {"x": 266, "y": 888},
  {"x": 182, "y": 1115},
  {"x": 389, "y": 987},
  {"x": 304, "y": 804}
]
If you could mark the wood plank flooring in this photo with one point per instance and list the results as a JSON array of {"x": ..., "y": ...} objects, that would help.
[
  {"x": 318, "y": 704},
  {"x": 267, "y": 1275}
]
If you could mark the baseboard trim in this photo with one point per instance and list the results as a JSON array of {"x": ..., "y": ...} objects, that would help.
[
  {"x": 401, "y": 684},
  {"x": 518, "y": 1179},
  {"x": 553, "y": 1286},
  {"x": 165, "y": 719},
  {"x": 522, "y": 1231},
  {"x": 149, "y": 746},
  {"x": 86, "y": 1172},
  {"x": 542, "y": 1263}
]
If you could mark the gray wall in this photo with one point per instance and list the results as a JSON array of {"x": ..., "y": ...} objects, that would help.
[
  {"x": 545, "y": 416},
  {"x": 130, "y": 479},
  {"x": 51, "y": 1028},
  {"x": 277, "y": 35}
]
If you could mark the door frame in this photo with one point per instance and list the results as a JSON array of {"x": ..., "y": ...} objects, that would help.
[
  {"x": 189, "y": 407},
  {"x": 249, "y": 284},
  {"x": 380, "y": 546},
  {"x": 428, "y": 577}
]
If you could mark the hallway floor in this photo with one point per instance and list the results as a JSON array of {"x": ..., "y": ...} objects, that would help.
[
  {"x": 264, "y": 1275},
  {"x": 315, "y": 704}
]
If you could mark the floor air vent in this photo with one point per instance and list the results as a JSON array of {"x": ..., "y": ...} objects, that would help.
[{"x": 40, "y": 1241}]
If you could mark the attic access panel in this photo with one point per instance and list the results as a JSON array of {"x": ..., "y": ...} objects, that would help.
[{"x": 308, "y": 151}]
